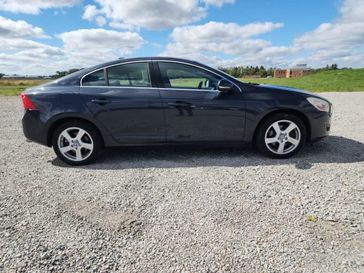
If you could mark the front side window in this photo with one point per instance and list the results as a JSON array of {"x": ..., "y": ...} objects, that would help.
[
  {"x": 176, "y": 75},
  {"x": 95, "y": 79},
  {"x": 133, "y": 74}
]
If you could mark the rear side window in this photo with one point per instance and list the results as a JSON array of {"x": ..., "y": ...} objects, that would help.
[
  {"x": 133, "y": 74},
  {"x": 95, "y": 79}
]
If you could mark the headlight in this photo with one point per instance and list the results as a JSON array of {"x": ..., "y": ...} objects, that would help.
[{"x": 319, "y": 104}]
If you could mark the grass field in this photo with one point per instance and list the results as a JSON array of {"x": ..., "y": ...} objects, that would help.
[
  {"x": 15, "y": 87},
  {"x": 324, "y": 81}
]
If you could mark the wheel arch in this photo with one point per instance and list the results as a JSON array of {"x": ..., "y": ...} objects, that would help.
[
  {"x": 56, "y": 123},
  {"x": 297, "y": 113}
]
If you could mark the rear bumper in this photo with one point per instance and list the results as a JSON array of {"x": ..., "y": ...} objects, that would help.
[
  {"x": 320, "y": 126},
  {"x": 33, "y": 128}
]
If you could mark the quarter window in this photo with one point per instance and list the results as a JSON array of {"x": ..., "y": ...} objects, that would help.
[
  {"x": 175, "y": 75},
  {"x": 95, "y": 79},
  {"x": 134, "y": 74}
]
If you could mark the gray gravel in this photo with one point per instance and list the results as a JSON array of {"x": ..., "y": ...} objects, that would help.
[{"x": 185, "y": 209}]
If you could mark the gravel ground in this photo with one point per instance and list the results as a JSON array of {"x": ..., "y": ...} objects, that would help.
[{"x": 185, "y": 209}]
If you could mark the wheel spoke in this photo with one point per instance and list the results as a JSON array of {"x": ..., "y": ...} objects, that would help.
[
  {"x": 280, "y": 148},
  {"x": 293, "y": 141},
  {"x": 67, "y": 136},
  {"x": 66, "y": 149},
  {"x": 80, "y": 134},
  {"x": 87, "y": 146},
  {"x": 290, "y": 128},
  {"x": 78, "y": 154},
  {"x": 276, "y": 128},
  {"x": 271, "y": 140}
]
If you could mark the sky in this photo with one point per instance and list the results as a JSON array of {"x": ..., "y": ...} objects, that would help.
[{"x": 40, "y": 37}]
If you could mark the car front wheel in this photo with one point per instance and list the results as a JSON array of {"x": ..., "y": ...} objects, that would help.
[
  {"x": 281, "y": 135},
  {"x": 76, "y": 143}
]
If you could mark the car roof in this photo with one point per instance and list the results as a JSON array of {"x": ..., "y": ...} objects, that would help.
[{"x": 136, "y": 59}]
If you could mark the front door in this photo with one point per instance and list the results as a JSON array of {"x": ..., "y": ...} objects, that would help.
[
  {"x": 121, "y": 97},
  {"x": 194, "y": 109}
]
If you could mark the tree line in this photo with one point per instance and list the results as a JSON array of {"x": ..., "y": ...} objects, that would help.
[
  {"x": 261, "y": 71},
  {"x": 60, "y": 74},
  {"x": 246, "y": 71}
]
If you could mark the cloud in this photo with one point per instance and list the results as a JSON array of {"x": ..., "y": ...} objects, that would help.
[
  {"x": 81, "y": 48},
  {"x": 18, "y": 52},
  {"x": 151, "y": 14},
  {"x": 100, "y": 21},
  {"x": 17, "y": 29},
  {"x": 23, "y": 56},
  {"x": 34, "y": 6},
  {"x": 90, "y": 11},
  {"x": 340, "y": 41},
  {"x": 92, "y": 46},
  {"x": 218, "y": 3},
  {"x": 209, "y": 41}
]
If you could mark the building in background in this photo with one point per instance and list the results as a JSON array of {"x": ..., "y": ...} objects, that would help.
[{"x": 299, "y": 70}]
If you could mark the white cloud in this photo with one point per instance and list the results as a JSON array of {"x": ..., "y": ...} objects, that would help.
[
  {"x": 352, "y": 10},
  {"x": 209, "y": 41},
  {"x": 91, "y": 46},
  {"x": 222, "y": 32},
  {"x": 34, "y": 6},
  {"x": 151, "y": 14},
  {"x": 16, "y": 29},
  {"x": 22, "y": 56},
  {"x": 119, "y": 25},
  {"x": 90, "y": 12},
  {"x": 81, "y": 48},
  {"x": 338, "y": 41},
  {"x": 100, "y": 21},
  {"x": 218, "y": 3}
]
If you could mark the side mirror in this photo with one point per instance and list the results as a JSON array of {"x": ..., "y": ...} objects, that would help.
[{"x": 225, "y": 86}]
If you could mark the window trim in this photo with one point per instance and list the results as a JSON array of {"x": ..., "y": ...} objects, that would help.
[
  {"x": 105, "y": 78},
  {"x": 156, "y": 61},
  {"x": 129, "y": 86},
  {"x": 186, "y": 88}
]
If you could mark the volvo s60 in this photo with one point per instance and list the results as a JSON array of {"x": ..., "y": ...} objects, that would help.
[{"x": 160, "y": 101}]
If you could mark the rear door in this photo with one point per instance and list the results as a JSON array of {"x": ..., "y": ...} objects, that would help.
[
  {"x": 123, "y": 99},
  {"x": 194, "y": 109}
]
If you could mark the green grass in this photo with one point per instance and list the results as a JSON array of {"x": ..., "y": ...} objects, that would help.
[
  {"x": 15, "y": 87},
  {"x": 12, "y": 90},
  {"x": 323, "y": 81}
]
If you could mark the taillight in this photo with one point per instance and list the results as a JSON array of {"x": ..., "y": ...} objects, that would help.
[{"x": 28, "y": 104}]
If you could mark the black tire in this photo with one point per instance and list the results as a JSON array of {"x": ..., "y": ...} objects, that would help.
[
  {"x": 91, "y": 137},
  {"x": 262, "y": 131}
]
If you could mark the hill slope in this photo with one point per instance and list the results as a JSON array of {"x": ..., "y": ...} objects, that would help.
[{"x": 323, "y": 81}]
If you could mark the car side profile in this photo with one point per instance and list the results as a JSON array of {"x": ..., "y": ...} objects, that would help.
[{"x": 161, "y": 101}]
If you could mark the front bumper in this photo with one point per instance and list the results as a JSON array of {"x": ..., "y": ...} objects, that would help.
[
  {"x": 320, "y": 125},
  {"x": 33, "y": 128}
]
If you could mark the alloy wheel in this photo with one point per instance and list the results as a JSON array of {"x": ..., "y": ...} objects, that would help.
[
  {"x": 282, "y": 137},
  {"x": 75, "y": 144}
]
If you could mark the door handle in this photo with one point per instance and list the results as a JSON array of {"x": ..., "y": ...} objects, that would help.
[
  {"x": 181, "y": 104},
  {"x": 101, "y": 101}
]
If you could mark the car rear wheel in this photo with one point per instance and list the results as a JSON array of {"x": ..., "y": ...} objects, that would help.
[
  {"x": 281, "y": 135},
  {"x": 76, "y": 143}
]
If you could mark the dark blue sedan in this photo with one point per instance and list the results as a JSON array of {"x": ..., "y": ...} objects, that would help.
[{"x": 159, "y": 101}]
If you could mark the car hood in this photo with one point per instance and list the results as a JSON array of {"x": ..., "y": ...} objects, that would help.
[{"x": 279, "y": 88}]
